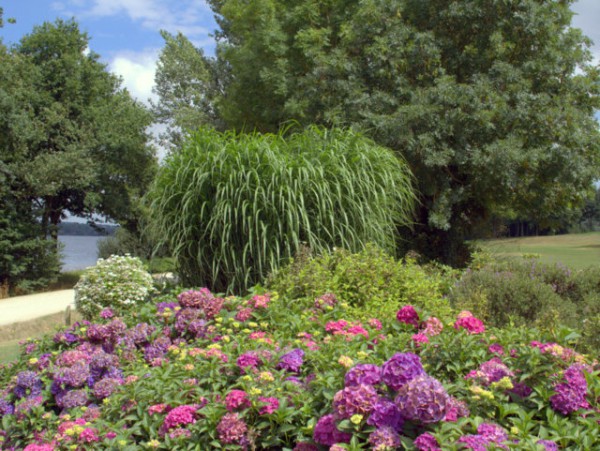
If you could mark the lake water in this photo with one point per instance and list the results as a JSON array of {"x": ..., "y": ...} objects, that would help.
[{"x": 79, "y": 251}]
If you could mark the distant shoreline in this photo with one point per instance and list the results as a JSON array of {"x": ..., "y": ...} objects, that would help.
[{"x": 82, "y": 229}]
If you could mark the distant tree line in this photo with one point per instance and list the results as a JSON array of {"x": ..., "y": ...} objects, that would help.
[{"x": 79, "y": 229}]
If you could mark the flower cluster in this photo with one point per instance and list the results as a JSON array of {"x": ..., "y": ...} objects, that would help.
[
  {"x": 467, "y": 321},
  {"x": 570, "y": 395}
]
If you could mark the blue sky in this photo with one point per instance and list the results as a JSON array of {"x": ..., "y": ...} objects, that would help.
[{"x": 126, "y": 32}]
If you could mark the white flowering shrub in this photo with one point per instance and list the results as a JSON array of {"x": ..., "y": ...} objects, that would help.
[{"x": 118, "y": 282}]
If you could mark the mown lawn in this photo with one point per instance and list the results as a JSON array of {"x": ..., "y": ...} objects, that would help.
[{"x": 576, "y": 251}]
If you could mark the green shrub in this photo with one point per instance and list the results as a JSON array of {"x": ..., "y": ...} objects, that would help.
[
  {"x": 371, "y": 282},
  {"x": 233, "y": 207},
  {"x": 119, "y": 282},
  {"x": 525, "y": 292}
]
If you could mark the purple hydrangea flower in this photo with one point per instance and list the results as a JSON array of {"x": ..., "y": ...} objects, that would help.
[
  {"x": 427, "y": 442},
  {"x": 400, "y": 369},
  {"x": 548, "y": 445},
  {"x": 232, "y": 429},
  {"x": 28, "y": 384},
  {"x": 570, "y": 395},
  {"x": 106, "y": 387},
  {"x": 363, "y": 374},
  {"x": 358, "y": 399},
  {"x": 292, "y": 361},
  {"x": 71, "y": 399},
  {"x": 326, "y": 432},
  {"x": 385, "y": 413},
  {"x": 384, "y": 439},
  {"x": 423, "y": 399},
  {"x": 491, "y": 371},
  {"x": 248, "y": 360},
  {"x": 6, "y": 408}
]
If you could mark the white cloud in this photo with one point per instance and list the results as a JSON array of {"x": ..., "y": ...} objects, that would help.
[
  {"x": 186, "y": 16},
  {"x": 137, "y": 71}
]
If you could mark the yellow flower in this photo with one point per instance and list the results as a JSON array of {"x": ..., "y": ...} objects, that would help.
[
  {"x": 264, "y": 324},
  {"x": 246, "y": 378},
  {"x": 344, "y": 305},
  {"x": 66, "y": 417},
  {"x": 226, "y": 338},
  {"x": 122, "y": 442},
  {"x": 481, "y": 393},
  {"x": 33, "y": 361},
  {"x": 70, "y": 431},
  {"x": 252, "y": 324},
  {"x": 153, "y": 443},
  {"x": 218, "y": 320},
  {"x": 255, "y": 391},
  {"x": 356, "y": 419},
  {"x": 503, "y": 384},
  {"x": 214, "y": 346},
  {"x": 236, "y": 325},
  {"x": 345, "y": 361},
  {"x": 362, "y": 354},
  {"x": 514, "y": 430},
  {"x": 247, "y": 331},
  {"x": 266, "y": 376},
  {"x": 229, "y": 331},
  {"x": 189, "y": 367}
]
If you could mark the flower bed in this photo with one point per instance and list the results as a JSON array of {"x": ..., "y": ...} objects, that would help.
[{"x": 196, "y": 371}]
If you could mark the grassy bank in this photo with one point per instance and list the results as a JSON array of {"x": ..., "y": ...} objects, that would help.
[{"x": 577, "y": 251}]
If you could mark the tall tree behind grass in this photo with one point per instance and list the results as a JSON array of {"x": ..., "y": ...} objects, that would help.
[{"x": 232, "y": 207}]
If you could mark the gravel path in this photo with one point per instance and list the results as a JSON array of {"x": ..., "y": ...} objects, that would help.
[{"x": 25, "y": 308}]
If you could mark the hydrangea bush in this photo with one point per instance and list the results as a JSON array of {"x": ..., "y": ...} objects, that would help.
[
  {"x": 194, "y": 370},
  {"x": 119, "y": 282}
]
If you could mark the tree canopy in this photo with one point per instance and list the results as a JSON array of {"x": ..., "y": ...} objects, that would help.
[
  {"x": 491, "y": 102},
  {"x": 68, "y": 130},
  {"x": 71, "y": 141}
]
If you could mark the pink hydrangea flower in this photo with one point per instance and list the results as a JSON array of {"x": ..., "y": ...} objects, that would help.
[
  {"x": 89, "y": 435},
  {"x": 157, "y": 408},
  {"x": 260, "y": 301},
  {"x": 231, "y": 428},
  {"x": 419, "y": 338},
  {"x": 181, "y": 416},
  {"x": 468, "y": 322},
  {"x": 433, "y": 326},
  {"x": 271, "y": 405},
  {"x": 237, "y": 399},
  {"x": 375, "y": 323}
]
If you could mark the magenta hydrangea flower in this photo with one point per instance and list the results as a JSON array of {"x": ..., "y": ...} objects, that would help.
[
  {"x": 260, "y": 301},
  {"x": 384, "y": 439},
  {"x": 423, "y": 399},
  {"x": 427, "y": 442},
  {"x": 271, "y": 404},
  {"x": 292, "y": 361},
  {"x": 237, "y": 399},
  {"x": 419, "y": 339},
  {"x": 304, "y": 446},
  {"x": 456, "y": 409},
  {"x": 496, "y": 349},
  {"x": 181, "y": 416},
  {"x": 400, "y": 369},
  {"x": 244, "y": 314},
  {"x": 38, "y": 447},
  {"x": 107, "y": 313},
  {"x": 248, "y": 360},
  {"x": 357, "y": 399},
  {"x": 106, "y": 387},
  {"x": 487, "y": 434},
  {"x": 232, "y": 429},
  {"x": 408, "y": 315},
  {"x": 467, "y": 321},
  {"x": 89, "y": 435},
  {"x": 365, "y": 373},
  {"x": 326, "y": 432}
]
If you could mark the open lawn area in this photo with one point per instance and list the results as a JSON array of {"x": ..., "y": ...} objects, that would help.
[{"x": 577, "y": 251}]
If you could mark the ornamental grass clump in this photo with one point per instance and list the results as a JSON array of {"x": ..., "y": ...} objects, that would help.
[
  {"x": 233, "y": 207},
  {"x": 120, "y": 283}
]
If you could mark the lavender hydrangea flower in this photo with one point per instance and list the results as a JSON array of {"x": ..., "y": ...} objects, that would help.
[
  {"x": 231, "y": 429},
  {"x": 363, "y": 374},
  {"x": 28, "y": 384},
  {"x": 423, "y": 399},
  {"x": 292, "y": 361},
  {"x": 491, "y": 371},
  {"x": 6, "y": 408},
  {"x": 400, "y": 369},
  {"x": 385, "y": 413},
  {"x": 71, "y": 399},
  {"x": 326, "y": 432},
  {"x": 358, "y": 399},
  {"x": 106, "y": 387}
]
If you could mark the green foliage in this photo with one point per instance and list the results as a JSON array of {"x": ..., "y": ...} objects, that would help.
[
  {"x": 28, "y": 261},
  {"x": 233, "y": 207},
  {"x": 119, "y": 282},
  {"x": 184, "y": 84},
  {"x": 74, "y": 138},
  {"x": 371, "y": 282},
  {"x": 525, "y": 291},
  {"x": 491, "y": 103}
]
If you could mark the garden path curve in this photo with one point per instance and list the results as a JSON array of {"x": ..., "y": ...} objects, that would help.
[{"x": 32, "y": 306}]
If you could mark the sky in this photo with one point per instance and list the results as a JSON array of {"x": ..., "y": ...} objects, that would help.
[{"x": 125, "y": 33}]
